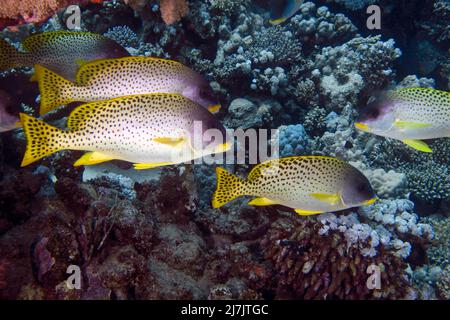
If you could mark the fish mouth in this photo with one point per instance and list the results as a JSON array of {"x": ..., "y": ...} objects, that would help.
[
  {"x": 362, "y": 126},
  {"x": 214, "y": 108},
  {"x": 369, "y": 202}
]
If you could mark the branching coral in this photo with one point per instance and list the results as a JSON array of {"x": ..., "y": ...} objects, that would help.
[
  {"x": 310, "y": 266},
  {"x": 124, "y": 36}
]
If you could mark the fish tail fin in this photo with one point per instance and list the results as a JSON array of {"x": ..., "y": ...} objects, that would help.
[
  {"x": 9, "y": 56},
  {"x": 42, "y": 139},
  {"x": 55, "y": 90},
  {"x": 229, "y": 187}
]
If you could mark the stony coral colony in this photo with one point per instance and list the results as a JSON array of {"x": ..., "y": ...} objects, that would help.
[{"x": 154, "y": 235}]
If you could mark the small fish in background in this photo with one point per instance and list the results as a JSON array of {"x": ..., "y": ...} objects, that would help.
[
  {"x": 60, "y": 51},
  {"x": 8, "y": 121},
  {"x": 409, "y": 115},
  {"x": 308, "y": 184},
  {"x": 148, "y": 130},
  {"x": 282, "y": 10},
  {"x": 112, "y": 78}
]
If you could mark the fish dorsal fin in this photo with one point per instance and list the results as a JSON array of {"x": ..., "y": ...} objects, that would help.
[
  {"x": 418, "y": 145},
  {"x": 261, "y": 202},
  {"x": 87, "y": 71},
  {"x": 37, "y": 41},
  {"x": 331, "y": 199},
  {"x": 80, "y": 115},
  {"x": 429, "y": 95},
  {"x": 270, "y": 166},
  {"x": 302, "y": 212}
]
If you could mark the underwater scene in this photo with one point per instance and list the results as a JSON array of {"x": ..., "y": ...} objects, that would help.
[{"x": 224, "y": 150}]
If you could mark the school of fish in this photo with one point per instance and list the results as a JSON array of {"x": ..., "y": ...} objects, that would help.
[{"x": 152, "y": 112}]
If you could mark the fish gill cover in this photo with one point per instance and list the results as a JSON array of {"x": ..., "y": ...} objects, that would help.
[{"x": 360, "y": 116}]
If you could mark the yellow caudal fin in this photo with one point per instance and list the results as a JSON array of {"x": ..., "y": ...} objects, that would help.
[
  {"x": 55, "y": 90},
  {"x": 229, "y": 187},
  {"x": 42, "y": 139},
  {"x": 9, "y": 56}
]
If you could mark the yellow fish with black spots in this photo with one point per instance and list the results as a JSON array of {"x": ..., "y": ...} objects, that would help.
[
  {"x": 113, "y": 78},
  {"x": 60, "y": 51},
  {"x": 308, "y": 184},
  {"x": 148, "y": 130},
  {"x": 409, "y": 115}
]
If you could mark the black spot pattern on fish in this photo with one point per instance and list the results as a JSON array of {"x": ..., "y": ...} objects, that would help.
[
  {"x": 288, "y": 178},
  {"x": 61, "y": 51}
]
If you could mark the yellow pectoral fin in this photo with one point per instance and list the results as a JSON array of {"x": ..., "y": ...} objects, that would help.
[
  {"x": 362, "y": 126},
  {"x": 328, "y": 198},
  {"x": 92, "y": 158},
  {"x": 145, "y": 166},
  {"x": 260, "y": 202},
  {"x": 370, "y": 201},
  {"x": 173, "y": 142},
  {"x": 411, "y": 125},
  {"x": 418, "y": 145},
  {"x": 307, "y": 212}
]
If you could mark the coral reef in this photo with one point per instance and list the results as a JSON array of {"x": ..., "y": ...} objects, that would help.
[
  {"x": 300, "y": 271},
  {"x": 154, "y": 235}
]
